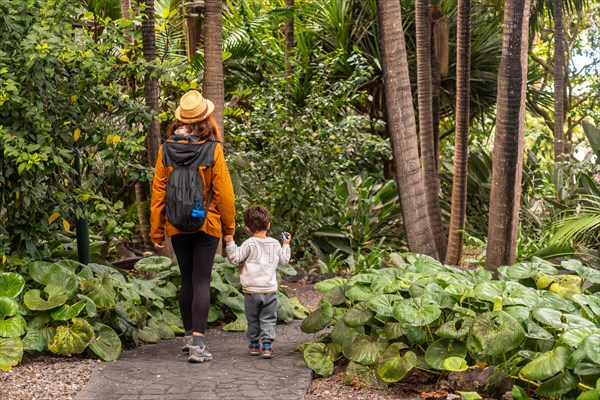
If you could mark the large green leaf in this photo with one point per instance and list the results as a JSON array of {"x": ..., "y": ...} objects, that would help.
[
  {"x": 438, "y": 351},
  {"x": 344, "y": 335},
  {"x": 385, "y": 283},
  {"x": 53, "y": 274},
  {"x": 287, "y": 270},
  {"x": 383, "y": 304},
  {"x": 326, "y": 285},
  {"x": 534, "y": 331},
  {"x": 363, "y": 375},
  {"x": 101, "y": 290},
  {"x": 336, "y": 295},
  {"x": 549, "y": 299},
  {"x": 39, "y": 333},
  {"x": 67, "y": 312},
  {"x": 494, "y": 333},
  {"x": 12, "y": 327},
  {"x": 395, "y": 368},
  {"x": 358, "y": 315},
  {"x": 367, "y": 350},
  {"x": 239, "y": 325},
  {"x": 34, "y": 301},
  {"x": 559, "y": 320},
  {"x": 298, "y": 309},
  {"x": 557, "y": 386},
  {"x": 511, "y": 293},
  {"x": 8, "y": 307},
  {"x": 72, "y": 338},
  {"x": 455, "y": 329},
  {"x": 417, "y": 312},
  {"x": 90, "y": 306},
  {"x": 591, "y": 346},
  {"x": 318, "y": 359},
  {"x": 11, "y": 284},
  {"x": 319, "y": 319},
  {"x": 392, "y": 330},
  {"x": 593, "y": 134},
  {"x": 161, "y": 328},
  {"x": 11, "y": 352},
  {"x": 359, "y": 292},
  {"x": 234, "y": 300},
  {"x": 438, "y": 295},
  {"x": 148, "y": 335},
  {"x": 547, "y": 364},
  {"x": 529, "y": 269},
  {"x": 166, "y": 291},
  {"x": 154, "y": 263},
  {"x": 455, "y": 364},
  {"x": 285, "y": 311},
  {"x": 574, "y": 337},
  {"x": 106, "y": 343}
]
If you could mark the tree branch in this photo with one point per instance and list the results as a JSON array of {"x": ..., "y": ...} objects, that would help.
[
  {"x": 544, "y": 114},
  {"x": 543, "y": 63}
]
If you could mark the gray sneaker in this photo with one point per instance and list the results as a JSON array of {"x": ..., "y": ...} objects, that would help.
[
  {"x": 199, "y": 354},
  {"x": 187, "y": 343}
]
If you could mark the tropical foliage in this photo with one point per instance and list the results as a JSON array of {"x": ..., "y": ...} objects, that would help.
[
  {"x": 538, "y": 323},
  {"x": 66, "y": 307}
]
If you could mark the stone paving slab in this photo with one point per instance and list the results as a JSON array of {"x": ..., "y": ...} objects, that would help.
[{"x": 161, "y": 371}]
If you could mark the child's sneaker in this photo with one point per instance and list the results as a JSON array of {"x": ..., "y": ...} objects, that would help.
[
  {"x": 199, "y": 354},
  {"x": 254, "y": 349},
  {"x": 267, "y": 351},
  {"x": 187, "y": 343}
]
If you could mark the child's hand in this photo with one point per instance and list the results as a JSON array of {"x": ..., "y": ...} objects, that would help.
[
  {"x": 228, "y": 238},
  {"x": 286, "y": 237}
]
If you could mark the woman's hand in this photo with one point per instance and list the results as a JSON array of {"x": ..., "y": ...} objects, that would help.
[{"x": 159, "y": 245}]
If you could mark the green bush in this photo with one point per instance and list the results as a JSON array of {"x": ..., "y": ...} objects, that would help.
[{"x": 540, "y": 321}]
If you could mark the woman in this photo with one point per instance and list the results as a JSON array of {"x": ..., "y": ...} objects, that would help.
[{"x": 195, "y": 251}]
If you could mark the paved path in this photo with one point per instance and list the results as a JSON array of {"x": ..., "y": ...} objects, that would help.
[{"x": 161, "y": 371}]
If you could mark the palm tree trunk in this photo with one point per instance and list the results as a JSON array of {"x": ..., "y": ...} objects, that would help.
[
  {"x": 426, "y": 137},
  {"x": 213, "y": 86},
  {"x": 439, "y": 68},
  {"x": 461, "y": 135},
  {"x": 402, "y": 129},
  {"x": 151, "y": 82},
  {"x": 289, "y": 40},
  {"x": 125, "y": 6},
  {"x": 507, "y": 158},
  {"x": 559, "y": 82}
]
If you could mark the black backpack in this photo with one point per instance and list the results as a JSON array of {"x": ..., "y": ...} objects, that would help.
[{"x": 186, "y": 209}]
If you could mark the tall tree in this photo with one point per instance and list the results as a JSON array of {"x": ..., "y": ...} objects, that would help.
[
  {"x": 150, "y": 80},
  {"x": 461, "y": 136},
  {"x": 289, "y": 39},
  {"x": 559, "y": 81},
  {"x": 402, "y": 129},
  {"x": 426, "y": 137},
  {"x": 507, "y": 157},
  {"x": 213, "y": 86}
]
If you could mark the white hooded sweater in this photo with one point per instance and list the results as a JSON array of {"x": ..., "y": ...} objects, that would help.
[{"x": 261, "y": 256}]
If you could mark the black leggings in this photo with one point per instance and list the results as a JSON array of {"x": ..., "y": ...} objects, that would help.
[{"x": 195, "y": 254}]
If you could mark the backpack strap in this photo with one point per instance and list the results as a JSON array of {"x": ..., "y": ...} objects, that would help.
[{"x": 186, "y": 155}]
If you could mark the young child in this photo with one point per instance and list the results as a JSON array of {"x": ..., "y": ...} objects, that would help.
[{"x": 261, "y": 255}]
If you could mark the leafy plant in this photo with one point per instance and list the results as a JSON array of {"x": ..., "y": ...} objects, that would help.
[{"x": 541, "y": 318}]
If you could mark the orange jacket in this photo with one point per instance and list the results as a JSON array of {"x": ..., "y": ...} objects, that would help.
[{"x": 221, "y": 212}]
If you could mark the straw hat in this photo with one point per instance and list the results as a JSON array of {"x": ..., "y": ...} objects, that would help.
[{"x": 193, "y": 108}]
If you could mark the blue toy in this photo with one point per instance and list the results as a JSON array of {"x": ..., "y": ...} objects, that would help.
[
  {"x": 197, "y": 212},
  {"x": 284, "y": 235}
]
